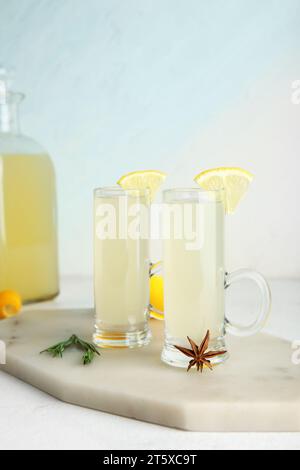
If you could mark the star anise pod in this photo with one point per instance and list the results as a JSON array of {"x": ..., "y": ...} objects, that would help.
[{"x": 198, "y": 354}]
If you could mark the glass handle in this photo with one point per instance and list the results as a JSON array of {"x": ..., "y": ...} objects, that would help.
[
  {"x": 264, "y": 306},
  {"x": 154, "y": 270}
]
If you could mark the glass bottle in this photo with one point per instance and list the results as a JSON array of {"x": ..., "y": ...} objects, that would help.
[{"x": 28, "y": 225}]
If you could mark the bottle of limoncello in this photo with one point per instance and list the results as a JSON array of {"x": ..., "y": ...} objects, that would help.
[{"x": 28, "y": 226}]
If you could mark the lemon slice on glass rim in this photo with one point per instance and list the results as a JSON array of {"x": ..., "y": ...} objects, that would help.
[
  {"x": 143, "y": 179},
  {"x": 234, "y": 181}
]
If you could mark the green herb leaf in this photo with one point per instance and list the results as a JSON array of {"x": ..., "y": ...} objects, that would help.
[{"x": 89, "y": 349}]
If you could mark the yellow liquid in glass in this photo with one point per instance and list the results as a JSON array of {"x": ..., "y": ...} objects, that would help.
[
  {"x": 194, "y": 278},
  {"x": 28, "y": 239},
  {"x": 121, "y": 268}
]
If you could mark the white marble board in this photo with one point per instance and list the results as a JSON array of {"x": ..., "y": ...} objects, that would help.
[{"x": 257, "y": 389}]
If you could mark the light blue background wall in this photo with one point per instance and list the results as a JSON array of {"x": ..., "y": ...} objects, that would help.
[{"x": 118, "y": 85}]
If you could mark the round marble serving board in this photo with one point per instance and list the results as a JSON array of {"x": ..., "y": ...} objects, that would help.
[{"x": 257, "y": 389}]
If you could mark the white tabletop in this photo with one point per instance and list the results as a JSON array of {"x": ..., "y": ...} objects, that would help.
[{"x": 31, "y": 419}]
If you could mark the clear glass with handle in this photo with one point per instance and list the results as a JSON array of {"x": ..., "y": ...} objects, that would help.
[
  {"x": 195, "y": 278},
  {"x": 121, "y": 267}
]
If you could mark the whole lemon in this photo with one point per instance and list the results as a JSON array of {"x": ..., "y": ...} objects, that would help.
[{"x": 10, "y": 303}]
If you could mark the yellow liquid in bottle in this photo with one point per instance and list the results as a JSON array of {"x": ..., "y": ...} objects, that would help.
[{"x": 28, "y": 239}]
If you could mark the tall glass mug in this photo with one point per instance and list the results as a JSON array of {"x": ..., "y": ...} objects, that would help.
[
  {"x": 121, "y": 267},
  {"x": 195, "y": 278}
]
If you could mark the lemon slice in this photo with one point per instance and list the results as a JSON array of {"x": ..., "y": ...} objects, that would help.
[
  {"x": 10, "y": 303},
  {"x": 234, "y": 181},
  {"x": 144, "y": 179}
]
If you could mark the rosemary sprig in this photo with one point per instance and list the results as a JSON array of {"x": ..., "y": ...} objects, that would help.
[{"x": 89, "y": 349}]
